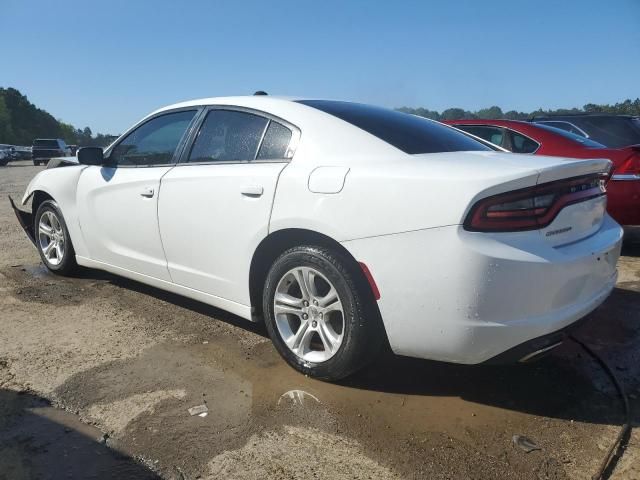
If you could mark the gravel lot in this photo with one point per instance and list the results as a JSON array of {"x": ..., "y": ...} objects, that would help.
[{"x": 97, "y": 374}]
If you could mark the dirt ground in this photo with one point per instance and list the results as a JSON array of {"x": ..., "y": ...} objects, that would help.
[{"x": 97, "y": 374}]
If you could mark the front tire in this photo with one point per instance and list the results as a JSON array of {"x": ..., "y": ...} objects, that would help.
[
  {"x": 52, "y": 239},
  {"x": 318, "y": 314},
  {"x": 36, "y": 163}
]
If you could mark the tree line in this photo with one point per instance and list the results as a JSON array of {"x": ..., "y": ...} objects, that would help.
[
  {"x": 627, "y": 107},
  {"x": 21, "y": 122}
]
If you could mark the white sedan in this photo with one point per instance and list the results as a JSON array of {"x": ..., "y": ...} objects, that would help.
[{"x": 344, "y": 227}]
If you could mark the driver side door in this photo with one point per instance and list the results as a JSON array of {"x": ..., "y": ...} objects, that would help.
[{"x": 118, "y": 201}]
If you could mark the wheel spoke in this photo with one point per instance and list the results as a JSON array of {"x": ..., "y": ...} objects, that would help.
[
  {"x": 285, "y": 303},
  {"x": 48, "y": 249},
  {"x": 300, "y": 275},
  {"x": 330, "y": 298},
  {"x": 297, "y": 340},
  {"x": 328, "y": 337},
  {"x": 45, "y": 229},
  {"x": 59, "y": 251}
]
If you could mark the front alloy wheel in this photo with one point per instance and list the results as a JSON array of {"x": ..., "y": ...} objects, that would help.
[{"x": 53, "y": 240}]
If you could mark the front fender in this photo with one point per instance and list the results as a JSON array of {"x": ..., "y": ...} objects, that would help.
[{"x": 61, "y": 184}]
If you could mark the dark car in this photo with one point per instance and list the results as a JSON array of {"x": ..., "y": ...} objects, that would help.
[
  {"x": 613, "y": 131},
  {"x": 44, "y": 149},
  {"x": 540, "y": 139}
]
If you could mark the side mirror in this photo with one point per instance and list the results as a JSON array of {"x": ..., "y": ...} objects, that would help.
[{"x": 91, "y": 156}]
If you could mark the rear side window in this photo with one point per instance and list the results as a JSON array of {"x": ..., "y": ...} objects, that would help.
[
  {"x": 154, "y": 142},
  {"x": 409, "y": 133},
  {"x": 522, "y": 144},
  {"x": 275, "y": 142},
  {"x": 494, "y": 135},
  {"x": 228, "y": 136}
]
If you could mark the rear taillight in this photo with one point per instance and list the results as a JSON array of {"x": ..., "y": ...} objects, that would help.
[
  {"x": 533, "y": 207},
  {"x": 630, "y": 168}
]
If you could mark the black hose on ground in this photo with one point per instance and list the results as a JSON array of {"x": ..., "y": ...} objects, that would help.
[{"x": 616, "y": 450}]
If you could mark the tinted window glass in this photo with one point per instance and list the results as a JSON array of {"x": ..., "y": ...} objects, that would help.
[
  {"x": 522, "y": 144},
  {"x": 154, "y": 142},
  {"x": 572, "y": 136},
  {"x": 227, "y": 136},
  {"x": 494, "y": 135},
  {"x": 275, "y": 142},
  {"x": 565, "y": 126},
  {"x": 409, "y": 133}
]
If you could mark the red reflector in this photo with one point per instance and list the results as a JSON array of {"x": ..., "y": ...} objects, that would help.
[{"x": 372, "y": 282}]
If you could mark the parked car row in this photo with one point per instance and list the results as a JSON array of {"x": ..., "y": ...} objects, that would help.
[
  {"x": 11, "y": 153},
  {"x": 342, "y": 226},
  {"x": 544, "y": 137}
]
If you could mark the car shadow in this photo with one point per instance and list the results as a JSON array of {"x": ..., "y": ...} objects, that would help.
[
  {"x": 178, "y": 300},
  {"x": 40, "y": 441}
]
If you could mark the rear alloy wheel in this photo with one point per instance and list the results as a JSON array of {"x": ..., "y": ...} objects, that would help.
[
  {"x": 52, "y": 239},
  {"x": 317, "y": 314}
]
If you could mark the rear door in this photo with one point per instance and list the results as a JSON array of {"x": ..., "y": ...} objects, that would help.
[
  {"x": 215, "y": 205},
  {"x": 118, "y": 202}
]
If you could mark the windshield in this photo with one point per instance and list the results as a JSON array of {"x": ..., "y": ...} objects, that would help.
[
  {"x": 409, "y": 133},
  {"x": 46, "y": 143},
  {"x": 587, "y": 142}
]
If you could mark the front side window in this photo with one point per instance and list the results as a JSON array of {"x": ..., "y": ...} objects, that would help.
[
  {"x": 522, "y": 144},
  {"x": 228, "y": 136},
  {"x": 409, "y": 133},
  {"x": 154, "y": 142},
  {"x": 494, "y": 135}
]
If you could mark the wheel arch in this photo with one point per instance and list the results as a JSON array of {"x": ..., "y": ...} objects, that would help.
[{"x": 273, "y": 245}]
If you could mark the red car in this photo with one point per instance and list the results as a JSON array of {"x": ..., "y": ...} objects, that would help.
[{"x": 523, "y": 137}]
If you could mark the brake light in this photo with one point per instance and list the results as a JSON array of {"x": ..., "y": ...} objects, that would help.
[
  {"x": 629, "y": 169},
  {"x": 533, "y": 207}
]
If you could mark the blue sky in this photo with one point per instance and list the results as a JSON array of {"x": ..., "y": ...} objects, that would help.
[{"x": 107, "y": 63}]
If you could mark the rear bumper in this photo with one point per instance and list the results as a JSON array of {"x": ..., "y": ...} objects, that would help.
[
  {"x": 623, "y": 202},
  {"x": 25, "y": 219},
  {"x": 466, "y": 297}
]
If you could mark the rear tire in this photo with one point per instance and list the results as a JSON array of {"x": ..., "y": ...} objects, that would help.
[
  {"x": 36, "y": 163},
  {"x": 318, "y": 315},
  {"x": 52, "y": 239}
]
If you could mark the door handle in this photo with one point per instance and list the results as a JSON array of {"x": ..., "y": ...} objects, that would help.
[
  {"x": 147, "y": 192},
  {"x": 252, "y": 190}
]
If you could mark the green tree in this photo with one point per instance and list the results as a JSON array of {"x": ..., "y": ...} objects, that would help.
[{"x": 491, "y": 112}]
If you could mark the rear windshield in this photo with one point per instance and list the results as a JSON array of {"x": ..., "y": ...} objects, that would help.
[
  {"x": 587, "y": 142},
  {"x": 409, "y": 133},
  {"x": 610, "y": 130},
  {"x": 46, "y": 143}
]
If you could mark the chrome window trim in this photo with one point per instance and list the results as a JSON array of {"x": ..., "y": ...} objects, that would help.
[{"x": 296, "y": 133}]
